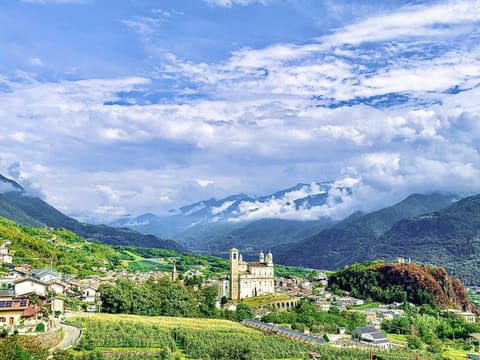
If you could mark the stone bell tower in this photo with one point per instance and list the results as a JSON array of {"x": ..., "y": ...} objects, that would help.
[{"x": 234, "y": 285}]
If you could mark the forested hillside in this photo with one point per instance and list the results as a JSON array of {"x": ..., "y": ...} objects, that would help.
[
  {"x": 418, "y": 284},
  {"x": 64, "y": 250},
  {"x": 449, "y": 237},
  {"x": 349, "y": 241},
  {"x": 33, "y": 211}
]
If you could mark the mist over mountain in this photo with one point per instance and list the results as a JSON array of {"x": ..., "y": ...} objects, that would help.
[
  {"x": 213, "y": 225},
  {"x": 24, "y": 209},
  {"x": 7, "y": 185}
]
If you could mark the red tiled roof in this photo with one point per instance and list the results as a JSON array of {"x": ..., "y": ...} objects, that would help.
[{"x": 31, "y": 310}]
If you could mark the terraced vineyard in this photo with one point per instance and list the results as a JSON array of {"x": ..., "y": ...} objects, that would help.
[{"x": 129, "y": 337}]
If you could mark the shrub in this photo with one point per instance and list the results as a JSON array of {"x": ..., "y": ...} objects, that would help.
[{"x": 40, "y": 327}]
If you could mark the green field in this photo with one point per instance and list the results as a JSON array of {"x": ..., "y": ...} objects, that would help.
[
  {"x": 186, "y": 337},
  {"x": 130, "y": 337}
]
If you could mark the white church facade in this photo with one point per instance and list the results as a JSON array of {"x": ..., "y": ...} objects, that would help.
[{"x": 248, "y": 279}]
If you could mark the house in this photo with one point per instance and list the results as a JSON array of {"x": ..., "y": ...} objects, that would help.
[
  {"x": 4, "y": 257},
  {"x": 349, "y": 301},
  {"x": 6, "y": 287},
  {"x": 371, "y": 336},
  {"x": 45, "y": 275},
  {"x": 323, "y": 305},
  {"x": 19, "y": 271},
  {"x": 12, "y": 310},
  {"x": 30, "y": 285},
  {"x": 32, "y": 312},
  {"x": 247, "y": 279},
  {"x": 58, "y": 287},
  {"x": 371, "y": 316},
  {"x": 88, "y": 294},
  {"x": 468, "y": 316}
]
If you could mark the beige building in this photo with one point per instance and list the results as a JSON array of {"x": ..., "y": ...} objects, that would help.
[
  {"x": 248, "y": 279},
  {"x": 12, "y": 310}
]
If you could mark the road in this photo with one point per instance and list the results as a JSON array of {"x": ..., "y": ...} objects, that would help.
[{"x": 71, "y": 335}]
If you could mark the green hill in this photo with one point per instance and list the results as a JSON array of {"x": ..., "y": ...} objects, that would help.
[
  {"x": 64, "y": 250},
  {"x": 349, "y": 241},
  {"x": 419, "y": 284},
  {"x": 449, "y": 237},
  {"x": 33, "y": 211},
  {"x": 70, "y": 253}
]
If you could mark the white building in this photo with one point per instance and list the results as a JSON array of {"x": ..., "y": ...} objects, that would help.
[
  {"x": 248, "y": 279},
  {"x": 30, "y": 285},
  {"x": 88, "y": 294},
  {"x": 45, "y": 275},
  {"x": 4, "y": 257}
]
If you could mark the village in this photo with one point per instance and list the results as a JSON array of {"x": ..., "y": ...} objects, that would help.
[{"x": 34, "y": 300}]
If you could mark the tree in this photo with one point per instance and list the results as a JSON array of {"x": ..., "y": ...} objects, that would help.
[
  {"x": 244, "y": 312},
  {"x": 21, "y": 348},
  {"x": 414, "y": 342},
  {"x": 208, "y": 300}
]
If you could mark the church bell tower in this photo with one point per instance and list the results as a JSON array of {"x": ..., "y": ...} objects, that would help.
[{"x": 234, "y": 285}]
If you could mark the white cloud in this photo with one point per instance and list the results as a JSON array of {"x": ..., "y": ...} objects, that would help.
[
  {"x": 424, "y": 20},
  {"x": 389, "y": 152},
  {"x": 143, "y": 25},
  {"x": 230, "y": 3},
  {"x": 260, "y": 121},
  {"x": 36, "y": 61},
  {"x": 222, "y": 208},
  {"x": 6, "y": 187}
]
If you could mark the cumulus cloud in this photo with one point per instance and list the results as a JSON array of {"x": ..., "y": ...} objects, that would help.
[{"x": 387, "y": 122}]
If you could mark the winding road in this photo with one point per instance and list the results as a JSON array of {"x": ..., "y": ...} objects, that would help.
[{"x": 71, "y": 335}]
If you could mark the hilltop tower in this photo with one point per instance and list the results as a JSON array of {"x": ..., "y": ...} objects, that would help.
[{"x": 234, "y": 272}]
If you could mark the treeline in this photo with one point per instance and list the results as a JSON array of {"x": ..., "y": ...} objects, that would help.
[
  {"x": 387, "y": 283},
  {"x": 431, "y": 329},
  {"x": 162, "y": 297}
]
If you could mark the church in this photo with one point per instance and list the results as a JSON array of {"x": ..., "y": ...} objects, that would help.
[{"x": 248, "y": 279}]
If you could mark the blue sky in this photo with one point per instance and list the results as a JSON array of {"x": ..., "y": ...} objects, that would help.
[{"x": 112, "y": 107}]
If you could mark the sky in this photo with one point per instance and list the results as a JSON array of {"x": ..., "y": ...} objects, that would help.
[{"x": 111, "y": 108}]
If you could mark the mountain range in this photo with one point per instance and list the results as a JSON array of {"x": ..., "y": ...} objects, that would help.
[
  {"x": 214, "y": 226},
  {"x": 428, "y": 228},
  {"x": 17, "y": 205},
  {"x": 351, "y": 239}
]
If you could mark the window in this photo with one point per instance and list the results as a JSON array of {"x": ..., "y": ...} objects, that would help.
[{"x": 3, "y": 319}]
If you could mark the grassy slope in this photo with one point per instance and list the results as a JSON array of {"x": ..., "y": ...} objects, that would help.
[
  {"x": 67, "y": 251},
  {"x": 70, "y": 253}
]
